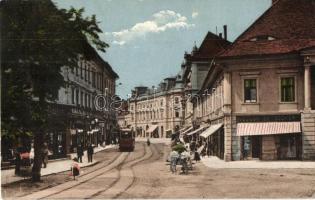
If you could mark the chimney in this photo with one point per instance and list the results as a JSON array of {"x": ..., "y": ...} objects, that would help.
[
  {"x": 220, "y": 35},
  {"x": 225, "y": 32}
]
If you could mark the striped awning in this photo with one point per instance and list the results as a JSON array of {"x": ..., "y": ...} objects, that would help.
[
  {"x": 267, "y": 128},
  {"x": 187, "y": 130},
  {"x": 152, "y": 128},
  {"x": 197, "y": 130},
  {"x": 212, "y": 129}
]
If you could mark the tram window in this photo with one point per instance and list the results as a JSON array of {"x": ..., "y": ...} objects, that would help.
[{"x": 126, "y": 135}]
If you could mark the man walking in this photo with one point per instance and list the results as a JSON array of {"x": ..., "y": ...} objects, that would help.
[
  {"x": 80, "y": 153},
  {"x": 90, "y": 152}
]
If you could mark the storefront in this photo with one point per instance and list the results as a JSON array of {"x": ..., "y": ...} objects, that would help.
[
  {"x": 214, "y": 140},
  {"x": 270, "y": 140}
]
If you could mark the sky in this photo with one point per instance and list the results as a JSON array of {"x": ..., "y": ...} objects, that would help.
[{"x": 148, "y": 38}]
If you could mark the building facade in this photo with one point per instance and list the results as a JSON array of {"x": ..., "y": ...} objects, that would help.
[
  {"x": 195, "y": 69},
  {"x": 156, "y": 112},
  {"x": 79, "y": 117},
  {"x": 262, "y": 86}
]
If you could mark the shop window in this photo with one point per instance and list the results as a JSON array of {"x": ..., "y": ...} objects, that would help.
[
  {"x": 250, "y": 90},
  {"x": 287, "y": 89}
]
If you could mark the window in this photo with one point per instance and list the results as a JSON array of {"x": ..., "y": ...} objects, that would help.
[
  {"x": 81, "y": 68},
  {"x": 287, "y": 89},
  {"x": 176, "y": 114},
  {"x": 176, "y": 99},
  {"x": 93, "y": 79},
  {"x": 85, "y": 72},
  {"x": 77, "y": 71},
  {"x": 72, "y": 95},
  {"x": 81, "y": 99},
  {"x": 250, "y": 90},
  {"x": 85, "y": 100},
  {"x": 77, "y": 97},
  {"x": 89, "y": 74}
]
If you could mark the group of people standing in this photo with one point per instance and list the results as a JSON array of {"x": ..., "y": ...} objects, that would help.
[{"x": 80, "y": 153}]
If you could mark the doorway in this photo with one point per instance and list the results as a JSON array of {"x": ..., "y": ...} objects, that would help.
[
  {"x": 256, "y": 147},
  {"x": 251, "y": 147}
]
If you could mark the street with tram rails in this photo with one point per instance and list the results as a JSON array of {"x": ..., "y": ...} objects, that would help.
[{"x": 145, "y": 173}]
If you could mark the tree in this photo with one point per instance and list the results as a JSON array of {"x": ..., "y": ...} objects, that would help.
[{"x": 38, "y": 39}]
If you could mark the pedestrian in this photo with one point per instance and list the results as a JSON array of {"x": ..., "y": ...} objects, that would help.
[
  {"x": 174, "y": 155},
  {"x": 197, "y": 156},
  {"x": 80, "y": 153},
  {"x": 148, "y": 142},
  {"x": 45, "y": 154},
  {"x": 17, "y": 161},
  {"x": 75, "y": 168},
  {"x": 90, "y": 152}
]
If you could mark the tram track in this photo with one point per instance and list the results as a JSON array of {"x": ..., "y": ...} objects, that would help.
[
  {"x": 118, "y": 166},
  {"x": 146, "y": 161},
  {"x": 125, "y": 177},
  {"x": 128, "y": 166},
  {"x": 99, "y": 171}
]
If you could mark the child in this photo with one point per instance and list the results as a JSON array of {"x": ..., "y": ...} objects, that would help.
[{"x": 75, "y": 168}]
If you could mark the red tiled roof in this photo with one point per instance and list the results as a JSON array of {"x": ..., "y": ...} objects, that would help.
[
  {"x": 290, "y": 22},
  {"x": 210, "y": 47}
]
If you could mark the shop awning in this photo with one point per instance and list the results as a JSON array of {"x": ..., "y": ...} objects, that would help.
[
  {"x": 199, "y": 150},
  {"x": 267, "y": 128},
  {"x": 212, "y": 129},
  {"x": 152, "y": 128},
  {"x": 187, "y": 130},
  {"x": 197, "y": 130}
]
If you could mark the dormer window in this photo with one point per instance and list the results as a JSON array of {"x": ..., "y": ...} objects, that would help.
[{"x": 262, "y": 38}]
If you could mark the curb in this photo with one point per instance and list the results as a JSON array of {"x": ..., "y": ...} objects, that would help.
[
  {"x": 28, "y": 178},
  {"x": 93, "y": 164}
]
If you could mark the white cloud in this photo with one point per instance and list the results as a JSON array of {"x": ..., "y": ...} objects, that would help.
[
  {"x": 160, "y": 22},
  {"x": 194, "y": 15}
]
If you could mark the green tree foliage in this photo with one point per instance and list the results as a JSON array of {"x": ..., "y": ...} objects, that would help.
[{"x": 37, "y": 40}]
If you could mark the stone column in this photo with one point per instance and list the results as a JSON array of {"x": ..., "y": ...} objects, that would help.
[{"x": 307, "y": 88}]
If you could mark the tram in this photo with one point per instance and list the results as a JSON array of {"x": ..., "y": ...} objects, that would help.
[{"x": 126, "y": 140}]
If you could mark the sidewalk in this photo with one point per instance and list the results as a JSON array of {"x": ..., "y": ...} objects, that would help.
[
  {"x": 154, "y": 140},
  {"x": 8, "y": 176},
  {"x": 215, "y": 162}
]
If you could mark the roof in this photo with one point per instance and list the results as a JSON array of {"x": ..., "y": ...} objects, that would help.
[
  {"x": 290, "y": 22},
  {"x": 93, "y": 53},
  {"x": 209, "y": 48}
]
